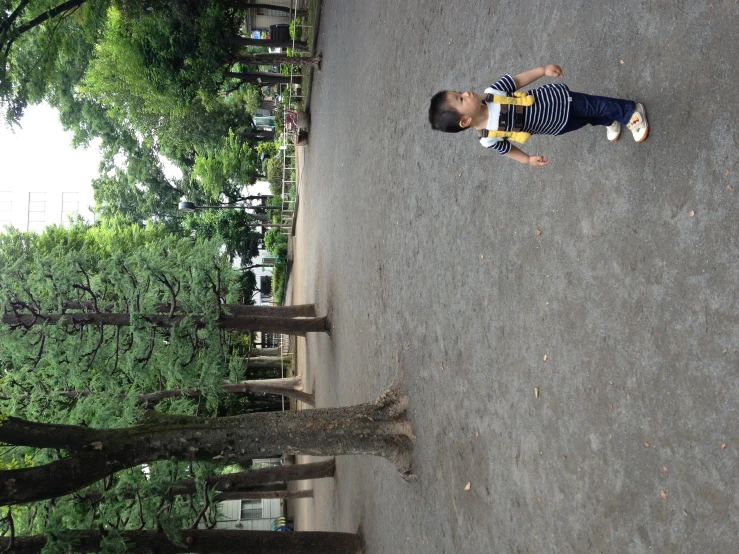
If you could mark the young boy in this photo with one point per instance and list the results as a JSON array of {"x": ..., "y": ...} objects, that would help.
[{"x": 503, "y": 114}]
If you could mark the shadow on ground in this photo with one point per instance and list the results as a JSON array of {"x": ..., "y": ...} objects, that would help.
[{"x": 423, "y": 248}]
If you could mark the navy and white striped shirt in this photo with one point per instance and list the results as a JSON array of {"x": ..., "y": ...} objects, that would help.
[{"x": 547, "y": 116}]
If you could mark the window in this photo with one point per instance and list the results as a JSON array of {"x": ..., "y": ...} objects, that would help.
[
  {"x": 36, "y": 211},
  {"x": 251, "y": 509},
  {"x": 70, "y": 205}
]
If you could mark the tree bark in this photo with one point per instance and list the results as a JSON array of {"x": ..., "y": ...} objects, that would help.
[
  {"x": 205, "y": 541},
  {"x": 274, "y": 59},
  {"x": 266, "y": 351},
  {"x": 292, "y": 387},
  {"x": 245, "y": 5},
  {"x": 243, "y": 41},
  {"x": 252, "y": 480},
  {"x": 10, "y": 35},
  {"x": 298, "y": 310},
  {"x": 261, "y": 78},
  {"x": 268, "y": 362},
  {"x": 259, "y": 495},
  {"x": 267, "y": 324},
  {"x": 376, "y": 429}
]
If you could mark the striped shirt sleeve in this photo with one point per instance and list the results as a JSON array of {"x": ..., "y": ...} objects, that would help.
[
  {"x": 505, "y": 84},
  {"x": 501, "y": 146}
]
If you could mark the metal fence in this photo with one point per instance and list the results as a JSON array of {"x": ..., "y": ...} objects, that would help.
[{"x": 292, "y": 100}]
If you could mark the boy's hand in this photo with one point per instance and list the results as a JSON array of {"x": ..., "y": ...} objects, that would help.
[
  {"x": 538, "y": 160},
  {"x": 553, "y": 70}
]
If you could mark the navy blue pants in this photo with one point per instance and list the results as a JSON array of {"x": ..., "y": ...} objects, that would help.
[{"x": 586, "y": 109}]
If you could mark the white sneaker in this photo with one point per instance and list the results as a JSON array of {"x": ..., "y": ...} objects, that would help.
[
  {"x": 613, "y": 131},
  {"x": 638, "y": 123}
]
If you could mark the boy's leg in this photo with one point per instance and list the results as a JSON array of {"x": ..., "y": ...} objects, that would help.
[{"x": 586, "y": 109}]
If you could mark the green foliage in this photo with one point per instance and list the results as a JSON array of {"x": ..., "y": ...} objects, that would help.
[
  {"x": 251, "y": 97},
  {"x": 276, "y": 242},
  {"x": 278, "y": 283},
  {"x": 274, "y": 175},
  {"x": 233, "y": 226},
  {"x": 267, "y": 148},
  {"x": 225, "y": 170},
  {"x": 295, "y": 29},
  {"x": 129, "y": 273}
]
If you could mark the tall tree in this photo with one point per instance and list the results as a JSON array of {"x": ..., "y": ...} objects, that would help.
[
  {"x": 379, "y": 428},
  {"x": 205, "y": 541}
]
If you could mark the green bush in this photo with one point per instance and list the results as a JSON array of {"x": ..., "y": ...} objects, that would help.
[
  {"x": 293, "y": 30},
  {"x": 268, "y": 148},
  {"x": 274, "y": 175},
  {"x": 276, "y": 242},
  {"x": 278, "y": 283}
]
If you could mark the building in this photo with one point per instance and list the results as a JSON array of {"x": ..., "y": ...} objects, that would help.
[
  {"x": 252, "y": 515},
  {"x": 257, "y": 24},
  {"x": 32, "y": 211}
]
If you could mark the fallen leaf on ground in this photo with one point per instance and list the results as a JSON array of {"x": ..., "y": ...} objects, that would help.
[
  {"x": 536, "y": 392},
  {"x": 467, "y": 486},
  {"x": 728, "y": 187},
  {"x": 691, "y": 213},
  {"x": 476, "y": 433},
  {"x": 646, "y": 444},
  {"x": 564, "y": 456},
  {"x": 723, "y": 446},
  {"x": 663, "y": 494},
  {"x": 482, "y": 257},
  {"x": 538, "y": 232},
  {"x": 664, "y": 468},
  {"x": 545, "y": 358},
  {"x": 622, "y": 62}
]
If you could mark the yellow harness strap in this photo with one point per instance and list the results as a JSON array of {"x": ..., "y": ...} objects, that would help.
[{"x": 519, "y": 98}]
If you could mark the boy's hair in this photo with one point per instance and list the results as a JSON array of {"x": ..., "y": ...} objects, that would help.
[{"x": 442, "y": 116}]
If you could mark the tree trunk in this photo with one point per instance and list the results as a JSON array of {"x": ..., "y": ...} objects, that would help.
[
  {"x": 267, "y": 324},
  {"x": 259, "y": 135},
  {"x": 261, "y": 78},
  {"x": 205, "y": 541},
  {"x": 258, "y": 495},
  {"x": 274, "y": 59},
  {"x": 245, "y": 5},
  {"x": 298, "y": 310},
  {"x": 252, "y": 480},
  {"x": 266, "y": 351},
  {"x": 242, "y": 41},
  {"x": 41, "y": 18},
  {"x": 269, "y": 362},
  {"x": 376, "y": 429},
  {"x": 292, "y": 387}
]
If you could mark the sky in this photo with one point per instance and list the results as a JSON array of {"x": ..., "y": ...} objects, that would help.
[{"x": 39, "y": 158}]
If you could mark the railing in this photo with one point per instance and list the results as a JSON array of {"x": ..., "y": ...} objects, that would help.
[{"x": 290, "y": 134}]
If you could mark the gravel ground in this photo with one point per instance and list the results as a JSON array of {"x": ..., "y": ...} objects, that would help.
[{"x": 423, "y": 249}]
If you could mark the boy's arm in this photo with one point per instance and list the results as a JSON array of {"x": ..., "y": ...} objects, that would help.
[
  {"x": 519, "y": 155},
  {"x": 528, "y": 77}
]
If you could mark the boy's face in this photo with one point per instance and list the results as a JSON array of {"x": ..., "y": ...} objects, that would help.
[{"x": 467, "y": 104}]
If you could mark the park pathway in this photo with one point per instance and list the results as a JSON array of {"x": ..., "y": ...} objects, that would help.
[{"x": 607, "y": 281}]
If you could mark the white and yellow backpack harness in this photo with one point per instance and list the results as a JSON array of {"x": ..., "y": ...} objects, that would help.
[{"x": 510, "y": 107}]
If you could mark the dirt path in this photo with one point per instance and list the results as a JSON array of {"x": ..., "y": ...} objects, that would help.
[{"x": 422, "y": 247}]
